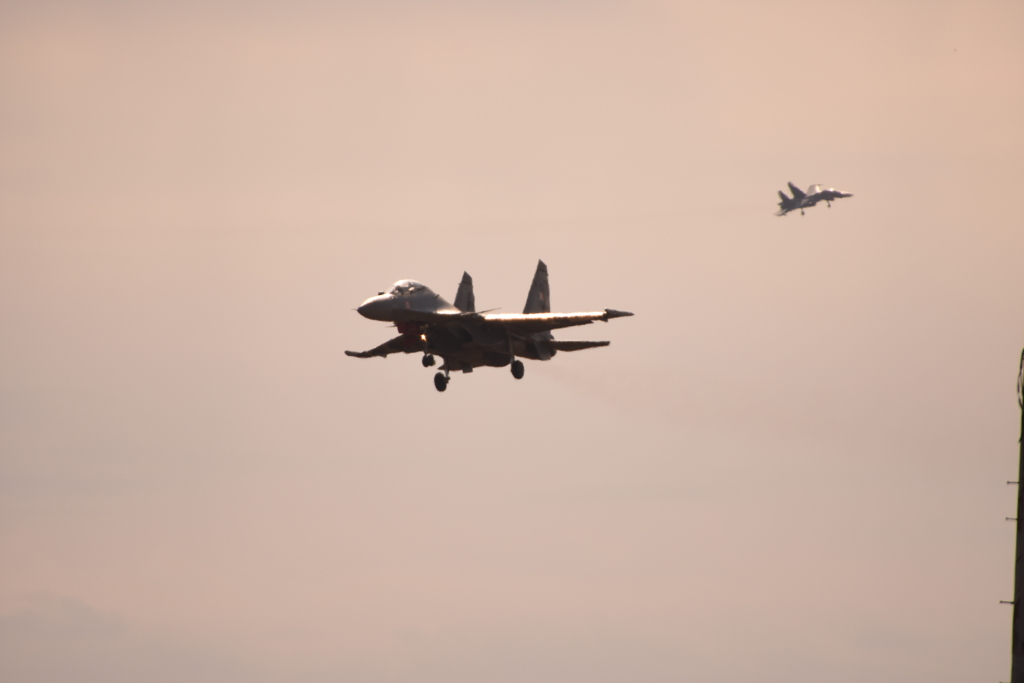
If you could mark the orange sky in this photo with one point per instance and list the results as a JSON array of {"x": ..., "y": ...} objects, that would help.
[{"x": 789, "y": 464}]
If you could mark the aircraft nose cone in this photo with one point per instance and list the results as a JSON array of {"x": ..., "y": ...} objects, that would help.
[{"x": 373, "y": 308}]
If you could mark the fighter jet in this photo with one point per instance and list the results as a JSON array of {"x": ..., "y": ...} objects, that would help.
[
  {"x": 799, "y": 200},
  {"x": 827, "y": 196},
  {"x": 803, "y": 200},
  {"x": 466, "y": 339}
]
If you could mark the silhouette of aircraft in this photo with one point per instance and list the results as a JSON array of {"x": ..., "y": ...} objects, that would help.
[
  {"x": 466, "y": 339},
  {"x": 804, "y": 200},
  {"x": 828, "y": 195}
]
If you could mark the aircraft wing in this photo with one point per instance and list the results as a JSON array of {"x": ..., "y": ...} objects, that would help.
[
  {"x": 529, "y": 323},
  {"x": 574, "y": 345},
  {"x": 400, "y": 344}
]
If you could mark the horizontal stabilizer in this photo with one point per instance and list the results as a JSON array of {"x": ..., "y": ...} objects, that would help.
[{"x": 575, "y": 345}]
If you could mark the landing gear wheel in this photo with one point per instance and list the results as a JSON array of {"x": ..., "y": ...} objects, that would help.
[
  {"x": 440, "y": 381},
  {"x": 428, "y": 360},
  {"x": 517, "y": 369}
]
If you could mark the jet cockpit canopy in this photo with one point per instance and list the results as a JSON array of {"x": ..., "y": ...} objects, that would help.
[{"x": 405, "y": 288}]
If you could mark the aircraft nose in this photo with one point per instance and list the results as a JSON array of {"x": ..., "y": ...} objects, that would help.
[{"x": 374, "y": 308}]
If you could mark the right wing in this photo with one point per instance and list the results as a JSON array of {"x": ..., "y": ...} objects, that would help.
[
  {"x": 530, "y": 323},
  {"x": 400, "y": 344}
]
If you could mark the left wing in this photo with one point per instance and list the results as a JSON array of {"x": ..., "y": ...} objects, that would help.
[
  {"x": 400, "y": 344},
  {"x": 529, "y": 323}
]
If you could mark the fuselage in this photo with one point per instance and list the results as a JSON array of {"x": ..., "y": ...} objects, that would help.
[
  {"x": 463, "y": 340},
  {"x": 405, "y": 300}
]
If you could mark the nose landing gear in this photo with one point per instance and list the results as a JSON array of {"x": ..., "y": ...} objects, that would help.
[
  {"x": 517, "y": 369},
  {"x": 428, "y": 360}
]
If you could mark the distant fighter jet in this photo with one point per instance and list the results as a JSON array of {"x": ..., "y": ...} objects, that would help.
[
  {"x": 466, "y": 339},
  {"x": 803, "y": 200},
  {"x": 827, "y": 196}
]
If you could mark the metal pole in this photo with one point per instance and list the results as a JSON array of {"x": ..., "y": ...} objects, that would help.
[{"x": 1017, "y": 667}]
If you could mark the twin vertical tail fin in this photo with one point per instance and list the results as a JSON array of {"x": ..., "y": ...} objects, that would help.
[
  {"x": 464, "y": 299},
  {"x": 539, "y": 301},
  {"x": 539, "y": 298}
]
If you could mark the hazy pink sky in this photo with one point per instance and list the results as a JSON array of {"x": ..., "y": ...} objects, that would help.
[{"x": 788, "y": 466}]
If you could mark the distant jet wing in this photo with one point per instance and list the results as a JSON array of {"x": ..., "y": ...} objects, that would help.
[
  {"x": 529, "y": 323},
  {"x": 400, "y": 344}
]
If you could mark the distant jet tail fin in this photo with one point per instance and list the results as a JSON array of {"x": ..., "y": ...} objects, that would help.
[
  {"x": 539, "y": 298},
  {"x": 797, "y": 192},
  {"x": 784, "y": 197},
  {"x": 464, "y": 299}
]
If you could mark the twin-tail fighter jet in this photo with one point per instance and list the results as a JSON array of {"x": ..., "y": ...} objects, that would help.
[
  {"x": 804, "y": 200},
  {"x": 465, "y": 339}
]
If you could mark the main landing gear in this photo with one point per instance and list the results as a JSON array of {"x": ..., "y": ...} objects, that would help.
[
  {"x": 517, "y": 365},
  {"x": 441, "y": 378},
  {"x": 440, "y": 381}
]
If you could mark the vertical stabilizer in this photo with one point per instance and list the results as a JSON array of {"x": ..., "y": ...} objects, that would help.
[
  {"x": 539, "y": 298},
  {"x": 464, "y": 299}
]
